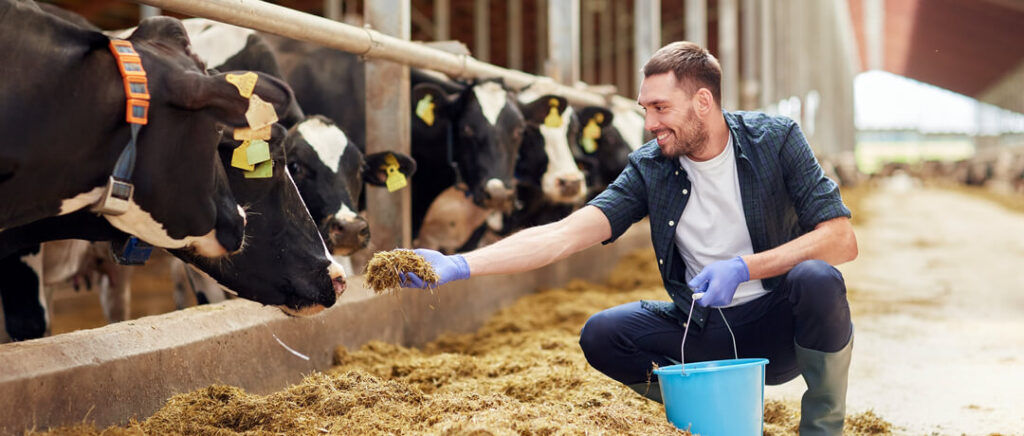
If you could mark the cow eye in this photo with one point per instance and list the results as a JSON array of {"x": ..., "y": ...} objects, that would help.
[{"x": 297, "y": 170}]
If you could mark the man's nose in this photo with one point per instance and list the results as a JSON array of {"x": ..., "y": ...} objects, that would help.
[{"x": 650, "y": 122}]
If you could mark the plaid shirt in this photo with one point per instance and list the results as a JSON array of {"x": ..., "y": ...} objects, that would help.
[{"x": 784, "y": 190}]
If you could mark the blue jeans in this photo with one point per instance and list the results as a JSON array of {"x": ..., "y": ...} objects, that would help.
[{"x": 809, "y": 306}]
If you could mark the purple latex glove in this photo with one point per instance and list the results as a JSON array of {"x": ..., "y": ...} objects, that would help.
[
  {"x": 448, "y": 268},
  {"x": 719, "y": 280}
]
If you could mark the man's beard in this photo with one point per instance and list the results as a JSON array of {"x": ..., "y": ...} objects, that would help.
[{"x": 696, "y": 137}]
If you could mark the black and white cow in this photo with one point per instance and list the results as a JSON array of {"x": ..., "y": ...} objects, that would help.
[
  {"x": 328, "y": 166},
  {"x": 469, "y": 136},
  {"x": 59, "y": 74}
]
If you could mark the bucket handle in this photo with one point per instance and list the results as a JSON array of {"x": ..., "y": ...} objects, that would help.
[{"x": 686, "y": 330}]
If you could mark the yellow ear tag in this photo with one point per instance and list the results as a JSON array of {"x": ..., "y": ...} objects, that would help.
[
  {"x": 260, "y": 113},
  {"x": 396, "y": 180},
  {"x": 239, "y": 159},
  {"x": 425, "y": 109},
  {"x": 244, "y": 82},
  {"x": 243, "y": 133},
  {"x": 553, "y": 119},
  {"x": 258, "y": 151},
  {"x": 590, "y": 135},
  {"x": 263, "y": 170}
]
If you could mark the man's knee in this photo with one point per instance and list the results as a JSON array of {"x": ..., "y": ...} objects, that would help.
[
  {"x": 595, "y": 337},
  {"x": 816, "y": 285}
]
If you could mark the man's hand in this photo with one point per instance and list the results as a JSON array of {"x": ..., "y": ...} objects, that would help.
[
  {"x": 448, "y": 268},
  {"x": 719, "y": 280}
]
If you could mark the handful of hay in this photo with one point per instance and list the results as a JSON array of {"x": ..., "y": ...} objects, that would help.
[{"x": 382, "y": 270}]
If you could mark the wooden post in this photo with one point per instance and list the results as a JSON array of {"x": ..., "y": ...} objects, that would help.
[
  {"x": 647, "y": 28},
  {"x": 728, "y": 53},
  {"x": 564, "y": 41},
  {"x": 515, "y": 34},
  {"x": 387, "y": 125},
  {"x": 482, "y": 30},
  {"x": 767, "y": 54},
  {"x": 697, "y": 22}
]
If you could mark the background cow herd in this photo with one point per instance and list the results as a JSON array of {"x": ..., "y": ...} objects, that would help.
[{"x": 487, "y": 160}]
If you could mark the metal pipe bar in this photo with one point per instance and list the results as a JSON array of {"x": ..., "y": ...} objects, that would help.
[{"x": 365, "y": 42}]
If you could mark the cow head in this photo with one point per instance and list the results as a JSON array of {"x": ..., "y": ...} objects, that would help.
[
  {"x": 330, "y": 172},
  {"x": 546, "y": 159},
  {"x": 599, "y": 148},
  {"x": 284, "y": 261},
  {"x": 482, "y": 129}
]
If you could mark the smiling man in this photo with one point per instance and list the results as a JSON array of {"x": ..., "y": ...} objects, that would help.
[{"x": 739, "y": 210}]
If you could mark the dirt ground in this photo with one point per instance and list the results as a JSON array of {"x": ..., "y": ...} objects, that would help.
[{"x": 937, "y": 295}]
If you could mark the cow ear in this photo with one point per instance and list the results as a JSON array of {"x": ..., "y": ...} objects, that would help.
[
  {"x": 601, "y": 116},
  {"x": 224, "y": 100},
  {"x": 429, "y": 103},
  {"x": 375, "y": 168},
  {"x": 545, "y": 110}
]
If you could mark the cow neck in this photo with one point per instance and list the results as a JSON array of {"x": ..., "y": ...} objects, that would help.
[
  {"x": 117, "y": 196},
  {"x": 450, "y": 145}
]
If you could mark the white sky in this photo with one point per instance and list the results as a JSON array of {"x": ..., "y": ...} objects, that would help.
[{"x": 887, "y": 101}]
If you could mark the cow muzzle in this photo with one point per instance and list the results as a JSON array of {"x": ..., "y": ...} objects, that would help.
[
  {"x": 565, "y": 188},
  {"x": 498, "y": 197},
  {"x": 346, "y": 236}
]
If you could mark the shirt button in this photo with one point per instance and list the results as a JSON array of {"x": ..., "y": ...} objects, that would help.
[
  {"x": 686, "y": 191},
  {"x": 677, "y": 173},
  {"x": 661, "y": 262},
  {"x": 671, "y": 223}
]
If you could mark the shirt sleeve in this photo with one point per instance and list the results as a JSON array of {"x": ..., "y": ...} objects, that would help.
[
  {"x": 624, "y": 201},
  {"x": 815, "y": 196}
]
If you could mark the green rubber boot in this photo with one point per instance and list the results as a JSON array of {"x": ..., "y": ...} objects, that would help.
[
  {"x": 823, "y": 407},
  {"x": 652, "y": 390}
]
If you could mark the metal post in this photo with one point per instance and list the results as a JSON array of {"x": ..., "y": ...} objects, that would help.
[
  {"x": 146, "y": 11},
  {"x": 647, "y": 28},
  {"x": 542, "y": 36},
  {"x": 564, "y": 41},
  {"x": 515, "y": 34},
  {"x": 332, "y": 9},
  {"x": 750, "y": 66},
  {"x": 697, "y": 22},
  {"x": 587, "y": 42},
  {"x": 442, "y": 20},
  {"x": 874, "y": 33},
  {"x": 482, "y": 30},
  {"x": 387, "y": 124},
  {"x": 728, "y": 53},
  {"x": 767, "y": 53},
  {"x": 605, "y": 57},
  {"x": 622, "y": 40}
]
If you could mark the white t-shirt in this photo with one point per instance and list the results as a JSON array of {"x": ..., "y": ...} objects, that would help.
[{"x": 712, "y": 226}]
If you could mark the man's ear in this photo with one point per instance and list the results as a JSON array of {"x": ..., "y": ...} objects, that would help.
[{"x": 704, "y": 101}]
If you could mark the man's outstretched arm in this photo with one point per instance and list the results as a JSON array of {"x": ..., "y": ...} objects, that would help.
[
  {"x": 523, "y": 251},
  {"x": 541, "y": 245}
]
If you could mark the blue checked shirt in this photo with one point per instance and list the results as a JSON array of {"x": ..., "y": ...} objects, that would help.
[{"x": 785, "y": 194}]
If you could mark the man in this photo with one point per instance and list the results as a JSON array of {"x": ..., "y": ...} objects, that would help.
[{"x": 740, "y": 210}]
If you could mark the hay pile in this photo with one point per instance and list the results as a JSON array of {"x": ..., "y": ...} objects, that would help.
[
  {"x": 521, "y": 373},
  {"x": 382, "y": 270}
]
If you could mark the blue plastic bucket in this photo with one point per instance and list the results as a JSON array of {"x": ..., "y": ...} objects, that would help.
[{"x": 719, "y": 397}]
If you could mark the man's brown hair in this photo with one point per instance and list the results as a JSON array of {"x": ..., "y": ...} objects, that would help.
[{"x": 693, "y": 66}]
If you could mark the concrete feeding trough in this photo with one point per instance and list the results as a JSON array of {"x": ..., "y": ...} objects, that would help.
[{"x": 111, "y": 374}]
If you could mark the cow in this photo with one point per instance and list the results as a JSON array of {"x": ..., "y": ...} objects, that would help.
[
  {"x": 61, "y": 74},
  {"x": 284, "y": 261},
  {"x": 464, "y": 134},
  {"x": 331, "y": 170}
]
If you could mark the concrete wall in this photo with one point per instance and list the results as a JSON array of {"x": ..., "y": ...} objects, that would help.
[{"x": 130, "y": 369}]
